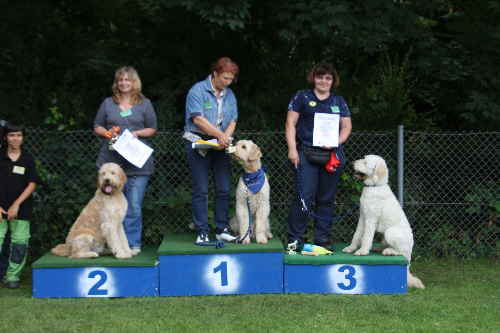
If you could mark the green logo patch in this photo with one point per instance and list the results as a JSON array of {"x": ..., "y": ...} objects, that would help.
[
  {"x": 207, "y": 105},
  {"x": 125, "y": 113},
  {"x": 335, "y": 109}
]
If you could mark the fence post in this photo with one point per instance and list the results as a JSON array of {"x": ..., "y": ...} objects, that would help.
[{"x": 401, "y": 153}]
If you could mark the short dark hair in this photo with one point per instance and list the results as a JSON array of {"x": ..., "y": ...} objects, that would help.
[
  {"x": 9, "y": 128},
  {"x": 322, "y": 69}
]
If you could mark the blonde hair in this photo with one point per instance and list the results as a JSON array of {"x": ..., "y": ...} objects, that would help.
[{"x": 136, "y": 95}]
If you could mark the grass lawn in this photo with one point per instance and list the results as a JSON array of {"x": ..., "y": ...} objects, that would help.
[{"x": 460, "y": 297}]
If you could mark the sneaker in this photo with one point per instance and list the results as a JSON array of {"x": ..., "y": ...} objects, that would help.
[
  {"x": 225, "y": 236},
  {"x": 202, "y": 238},
  {"x": 135, "y": 250},
  {"x": 12, "y": 284}
]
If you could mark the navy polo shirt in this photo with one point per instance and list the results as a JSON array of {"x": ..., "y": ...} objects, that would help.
[
  {"x": 307, "y": 104},
  {"x": 15, "y": 176}
]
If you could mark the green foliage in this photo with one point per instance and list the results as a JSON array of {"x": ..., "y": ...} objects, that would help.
[
  {"x": 71, "y": 49},
  {"x": 484, "y": 197}
]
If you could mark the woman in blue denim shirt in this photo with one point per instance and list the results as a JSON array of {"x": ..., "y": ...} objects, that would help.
[
  {"x": 211, "y": 113},
  {"x": 318, "y": 185}
]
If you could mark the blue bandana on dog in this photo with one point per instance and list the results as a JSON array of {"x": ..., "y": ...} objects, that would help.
[{"x": 254, "y": 181}]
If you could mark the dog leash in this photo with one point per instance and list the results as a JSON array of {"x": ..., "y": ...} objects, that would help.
[
  {"x": 217, "y": 244},
  {"x": 309, "y": 212}
]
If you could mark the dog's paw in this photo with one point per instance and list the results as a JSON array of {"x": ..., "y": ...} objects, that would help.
[
  {"x": 261, "y": 239},
  {"x": 361, "y": 252},
  {"x": 390, "y": 252},
  {"x": 86, "y": 254},
  {"x": 269, "y": 235},
  {"x": 246, "y": 240},
  {"x": 135, "y": 252},
  {"x": 123, "y": 255},
  {"x": 349, "y": 249}
]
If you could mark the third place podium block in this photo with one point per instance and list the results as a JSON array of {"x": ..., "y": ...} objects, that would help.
[
  {"x": 343, "y": 273},
  {"x": 187, "y": 269}
]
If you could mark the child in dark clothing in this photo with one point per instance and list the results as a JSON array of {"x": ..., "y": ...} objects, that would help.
[{"x": 18, "y": 179}]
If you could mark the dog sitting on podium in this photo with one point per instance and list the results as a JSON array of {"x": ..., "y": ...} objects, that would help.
[
  {"x": 99, "y": 228},
  {"x": 381, "y": 212},
  {"x": 252, "y": 195}
]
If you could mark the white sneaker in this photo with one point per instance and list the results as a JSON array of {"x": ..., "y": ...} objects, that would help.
[
  {"x": 225, "y": 236},
  {"x": 135, "y": 250},
  {"x": 202, "y": 238}
]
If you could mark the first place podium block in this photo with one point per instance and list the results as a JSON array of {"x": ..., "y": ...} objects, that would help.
[
  {"x": 343, "y": 273},
  {"x": 105, "y": 276},
  {"x": 187, "y": 269}
]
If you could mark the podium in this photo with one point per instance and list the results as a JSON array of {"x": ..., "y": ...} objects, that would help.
[
  {"x": 187, "y": 269},
  {"x": 105, "y": 276},
  {"x": 343, "y": 273}
]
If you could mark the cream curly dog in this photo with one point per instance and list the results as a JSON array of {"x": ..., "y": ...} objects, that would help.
[
  {"x": 252, "y": 194},
  {"x": 99, "y": 228},
  {"x": 381, "y": 212}
]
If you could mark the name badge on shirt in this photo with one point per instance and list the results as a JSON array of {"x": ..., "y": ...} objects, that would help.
[
  {"x": 19, "y": 170},
  {"x": 125, "y": 113},
  {"x": 335, "y": 109}
]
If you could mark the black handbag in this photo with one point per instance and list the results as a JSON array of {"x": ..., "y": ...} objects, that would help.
[{"x": 316, "y": 155}]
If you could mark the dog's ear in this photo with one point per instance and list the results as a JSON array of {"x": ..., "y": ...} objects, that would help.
[
  {"x": 255, "y": 153},
  {"x": 381, "y": 172}
]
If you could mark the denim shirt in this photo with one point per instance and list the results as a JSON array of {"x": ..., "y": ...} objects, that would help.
[{"x": 201, "y": 101}]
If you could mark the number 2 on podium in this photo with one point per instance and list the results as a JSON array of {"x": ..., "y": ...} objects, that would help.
[{"x": 94, "y": 291}]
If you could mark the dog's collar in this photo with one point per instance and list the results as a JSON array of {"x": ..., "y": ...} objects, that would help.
[{"x": 254, "y": 180}]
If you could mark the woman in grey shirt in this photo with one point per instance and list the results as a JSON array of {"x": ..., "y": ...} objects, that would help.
[{"x": 128, "y": 109}]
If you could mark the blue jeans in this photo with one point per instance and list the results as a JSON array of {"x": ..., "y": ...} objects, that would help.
[
  {"x": 134, "y": 191},
  {"x": 219, "y": 163},
  {"x": 318, "y": 187}
]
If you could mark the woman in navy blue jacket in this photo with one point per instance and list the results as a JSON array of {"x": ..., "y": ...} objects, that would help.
[{"x": 317, "y": 185}]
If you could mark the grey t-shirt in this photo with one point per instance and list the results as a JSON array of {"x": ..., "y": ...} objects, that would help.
[{"x": 140, "y": 116}]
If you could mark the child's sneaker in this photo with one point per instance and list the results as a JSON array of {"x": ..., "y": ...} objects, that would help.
[
  {"x": 225, "y": 236},
  {"x": 202, "y": 238},
  {"x": 11, "y": 284}
]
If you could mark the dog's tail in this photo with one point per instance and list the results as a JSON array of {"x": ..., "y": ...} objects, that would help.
[
  {"x": 63, "y": 250},
  {"x": 413, "y": 281}
]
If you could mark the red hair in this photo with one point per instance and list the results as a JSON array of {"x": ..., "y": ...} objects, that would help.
[{"x": 225, "y": 64}]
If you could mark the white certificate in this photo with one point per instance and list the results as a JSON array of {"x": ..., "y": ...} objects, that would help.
[
  {"x": 326, "y": 130},
  {"x": 132, "y": 149}
]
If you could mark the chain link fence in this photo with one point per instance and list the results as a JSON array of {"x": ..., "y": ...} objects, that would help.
[{"x": 450, "y": 186}]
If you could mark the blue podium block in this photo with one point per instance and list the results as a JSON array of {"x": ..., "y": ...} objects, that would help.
[
  {"x": 343, "y": 273},
  {"x": 187, "y": 269},
  {"x": 105, "y": 276}
]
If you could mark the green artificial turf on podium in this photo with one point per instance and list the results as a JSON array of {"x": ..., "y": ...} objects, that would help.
[
  {"x": 147, "y": 258},
  {"x": 184, "y": 244},
  {"x": 339, "y": 257}
]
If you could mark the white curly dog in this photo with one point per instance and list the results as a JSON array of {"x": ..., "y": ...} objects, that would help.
[
  {"x": 381, "y": 212},
  {"x": 99, "y": 228},
  {"x": 249, "y": 204}
]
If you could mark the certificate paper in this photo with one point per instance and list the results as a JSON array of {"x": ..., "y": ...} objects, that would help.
[
  {"x": 132, "y": 149},
  {"x": 326, "y": 130}
]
